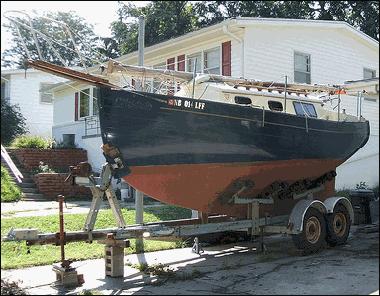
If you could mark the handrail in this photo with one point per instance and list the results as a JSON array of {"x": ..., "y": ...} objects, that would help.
[{"x": 11, "y": 165}]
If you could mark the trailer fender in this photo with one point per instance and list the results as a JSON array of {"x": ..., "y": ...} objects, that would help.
[
  {"x": 331, "y": 202},
  {"x": 298, "y": 213}
]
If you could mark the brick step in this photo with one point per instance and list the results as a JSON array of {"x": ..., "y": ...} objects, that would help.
[
  {"x": 27, "y": 185},
  {"x": 29, "y": 190},
  {"x": 33, "y": 196},
  {"x": 27, "y": 180}
]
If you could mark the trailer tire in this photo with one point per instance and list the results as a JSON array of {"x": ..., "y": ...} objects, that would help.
[
  {"x": 313, "y": 235},
  {"x": 338, "y": 226}
]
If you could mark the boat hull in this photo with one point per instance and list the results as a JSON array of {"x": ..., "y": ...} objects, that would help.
[{"x": 192, "y": 153}]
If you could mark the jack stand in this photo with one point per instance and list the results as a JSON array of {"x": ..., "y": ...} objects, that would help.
[
  {"x": 263, "y": 248},
  {"x": 114, "y": 255},
  {"x": 197, "y": 248},
  {"x": 65, "y": 274},
  {"x": 99, "y": 187}
]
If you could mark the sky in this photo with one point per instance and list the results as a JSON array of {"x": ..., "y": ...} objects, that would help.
[{"x": 98, "y": 13}]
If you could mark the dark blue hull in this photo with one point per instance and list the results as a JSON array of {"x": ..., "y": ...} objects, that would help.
[{"x": 152, "y": 129}]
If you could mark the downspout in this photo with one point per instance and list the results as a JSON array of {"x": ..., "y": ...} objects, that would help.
[{"x": 241, "y": 41}]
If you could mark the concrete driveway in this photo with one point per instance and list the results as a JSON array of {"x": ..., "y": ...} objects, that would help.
[{"x": 231, "y": 269}]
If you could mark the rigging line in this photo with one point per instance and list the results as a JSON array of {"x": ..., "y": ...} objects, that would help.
[
  {"x": 50, "y": 40},
  {"x": 69, "y": 31}
]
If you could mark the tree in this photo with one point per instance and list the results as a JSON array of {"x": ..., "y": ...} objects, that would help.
[
  {"x": 163, "y": 20},
  {"x": 83, "y": 32},
  {"x": 363, "y": 15},
  {"x": 12, "y": 122}
]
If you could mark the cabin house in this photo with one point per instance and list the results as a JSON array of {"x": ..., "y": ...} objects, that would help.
[
  {"x": 29, "y": 90},
  {"x": 303, "y": 51}
]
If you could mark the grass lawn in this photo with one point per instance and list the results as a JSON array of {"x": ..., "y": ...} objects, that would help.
[
  {"x": 14, "y": 254},
  {"x": 9, "y": 190}
]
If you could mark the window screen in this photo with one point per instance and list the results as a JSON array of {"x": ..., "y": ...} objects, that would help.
[
  {"x": 302, "y": 73},
  {"x": 46, "y": 95},
  {"x": 302, "y": 108},
  {"x": 212, "y": 61},
  {"x": 84, "y": 103},
  {"x": 368, "y": 73},
  {"x": 191, "y": 62}
]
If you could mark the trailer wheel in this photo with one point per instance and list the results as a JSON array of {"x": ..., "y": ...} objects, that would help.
[
  {"x": 313, "y": 234},
  {"x": 338, "y": 226}
]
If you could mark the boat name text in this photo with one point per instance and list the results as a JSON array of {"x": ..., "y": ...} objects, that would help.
[{"x": 186, "y": 104}]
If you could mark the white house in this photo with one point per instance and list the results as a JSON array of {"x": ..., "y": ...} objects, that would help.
[
  {"x": 306, "y": 51},
  {"x": 28, "y": 89}
]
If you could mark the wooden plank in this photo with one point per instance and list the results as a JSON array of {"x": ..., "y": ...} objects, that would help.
[{"x": 70, "y": 74}]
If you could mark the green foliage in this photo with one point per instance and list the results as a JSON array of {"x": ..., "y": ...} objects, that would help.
[
  {"x": 9, "y": 190},
  {"x": 14, "y": 254},
  {"x": 63, "y": 145},
  {"x": 12, "y": 122},
  {"x": 11, "y": 288},
  {"x": 169, "y": 19},
  {"x": 16, "y": 55},
  {"x": 31, "y": 142},
  {"x": 163, "y": 20},
  {"x": 363, "y": 15}
]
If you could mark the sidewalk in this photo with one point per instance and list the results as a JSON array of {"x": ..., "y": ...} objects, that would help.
[{"x": 231, "y": 269}]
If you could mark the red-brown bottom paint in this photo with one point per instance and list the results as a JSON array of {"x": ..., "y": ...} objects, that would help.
[{"x": 204, "y": 187}]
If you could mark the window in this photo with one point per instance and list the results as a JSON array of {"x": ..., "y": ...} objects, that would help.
[
  {"x": 84, "y": 103},
  {"x": 46, "y": 96},
  {"x": 368, "y": 73},
  {"x": 212, "y": 61},
  {"x": 95, "y": 109},
  {"x": 243, "y": 100},
  {"x": 305, "y": 108},
  {"x": 302, "y": 68},
  {"x": 157, "y": 86},
  {"x": 191, "y": 62},
  {"x": 275, "y": 106}
]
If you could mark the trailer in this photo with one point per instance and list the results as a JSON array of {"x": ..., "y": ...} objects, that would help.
[{"x": 311, "y": 223}]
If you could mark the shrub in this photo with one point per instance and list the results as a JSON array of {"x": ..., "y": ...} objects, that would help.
[
  {"x": 11, "y": 288},
  {"x": 12, "y": 122},
  {"x": 31, "y": 142},
  {"x": 9, "y": 190}
]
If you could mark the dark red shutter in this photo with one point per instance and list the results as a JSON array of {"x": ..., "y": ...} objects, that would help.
[
  {"x": 170, "y": 64},
  {"x": 76, "y": 106},
  {"x": 181, "y": 62},
  {"x": 226, "y": 58}
]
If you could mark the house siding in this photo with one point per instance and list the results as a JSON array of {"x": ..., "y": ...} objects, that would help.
[
  {"x": 336, "y": 55},
  {"x": 24, "y": 91}
]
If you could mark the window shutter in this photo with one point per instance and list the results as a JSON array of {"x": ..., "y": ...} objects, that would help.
[
  {"x": 226, "y": 58},
  {"x": 170, "y": 64},
  {"x": 181, "y": 62},
  {"x": 76, "y": 106}
]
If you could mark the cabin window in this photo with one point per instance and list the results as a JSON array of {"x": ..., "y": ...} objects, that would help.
[
  {"x": 302, "y": 73},
  {"x": 46, "y": 96},
  {"x": 243, "y": 100},
  {"x": 212, "y": 61},
  {"x": 275, "y": 106},
  {"x": 305, "y": 108},
  {"x": 368, "y": 73},
  {"x": 191, "y": 62}
]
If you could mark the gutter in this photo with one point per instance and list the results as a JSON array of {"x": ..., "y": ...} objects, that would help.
[{"x": 241, "y": 41}]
